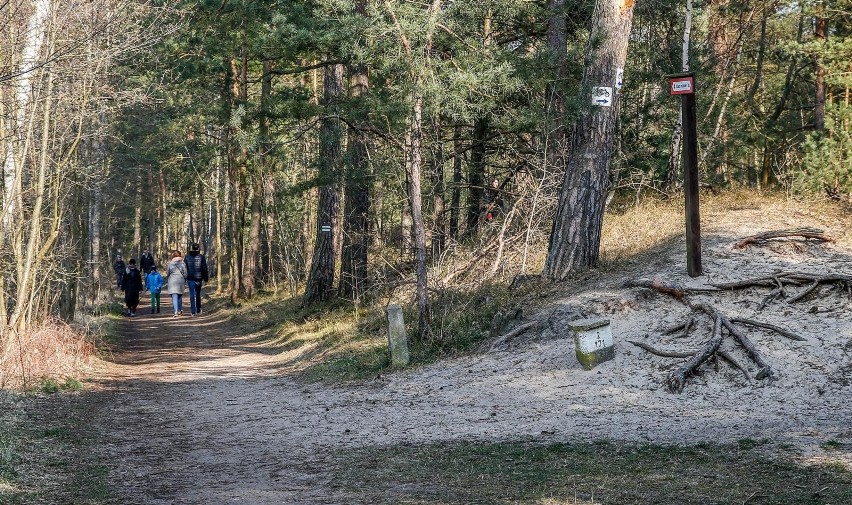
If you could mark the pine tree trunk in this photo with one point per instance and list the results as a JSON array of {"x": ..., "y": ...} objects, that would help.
[
  {"x": 554, "y": 98},
  {"x": 439, "y": 231},
  {"x": 476, "y": 176},
  {"x": 819, "y": 104},
  {"x": 455, "y": 200},
  {"x": 321, "y": 278},
  {"x": 356, "y": 237},
  {"x": 252, "y": 254},
  {"x": 576, "y": 235}
]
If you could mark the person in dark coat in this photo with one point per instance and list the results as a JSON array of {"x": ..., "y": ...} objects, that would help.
[
  {"x": 146, "y": 262},
  {"x": 132, "y": 286},
  {"x": 196, "y": 275},
  {"x": 120, "y": 269}
]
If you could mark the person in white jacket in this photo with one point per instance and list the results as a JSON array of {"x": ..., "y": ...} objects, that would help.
[{"x": 176, "y": 281}]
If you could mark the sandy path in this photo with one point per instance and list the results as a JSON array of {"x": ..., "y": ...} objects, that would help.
[{"x": 194, "y": 413}]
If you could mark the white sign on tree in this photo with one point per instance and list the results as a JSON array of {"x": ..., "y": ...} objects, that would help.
[{"x": 602, "y": 96}]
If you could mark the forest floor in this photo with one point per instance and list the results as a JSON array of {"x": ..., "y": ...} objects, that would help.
[{"x": 191, "y": 410}]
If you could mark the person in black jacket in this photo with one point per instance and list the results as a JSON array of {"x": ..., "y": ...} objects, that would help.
[
  {"x": 146, "y": 262},
  {"x": 120, "y": 269},
  {"x": 132, "y": 286},
  {"x": 196, "y": 275}
]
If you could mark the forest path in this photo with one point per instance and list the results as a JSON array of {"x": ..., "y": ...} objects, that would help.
[{"x": 190, "y": 412}]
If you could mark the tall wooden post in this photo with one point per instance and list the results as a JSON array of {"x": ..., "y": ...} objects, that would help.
[{"x": 684, "y": 85}]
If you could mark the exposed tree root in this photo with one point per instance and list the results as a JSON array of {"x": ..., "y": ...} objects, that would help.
[
  {"x": 664, "y": 354},
  {"x": 730, "y": 359},
  {"x": 777, "y": 329},
  {"x": 677, "y": 379},
  {"x": 503, "y": 339}
]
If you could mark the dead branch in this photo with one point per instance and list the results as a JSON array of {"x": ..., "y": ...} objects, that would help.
[
  {"x": 665, "y": 354},
  {"x": 777, "y": 329},
  {"x": 775, "y": 293},
  {"x": 806, "y": 233},
  {"x": 677, "y": 379}
]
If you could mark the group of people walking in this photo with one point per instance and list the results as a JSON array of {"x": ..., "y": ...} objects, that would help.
[{"x": 189, "y": 272}]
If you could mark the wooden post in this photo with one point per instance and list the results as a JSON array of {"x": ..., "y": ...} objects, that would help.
[
  {"x": 684, "y": 85},
  {"x": 690, "y": 186}
]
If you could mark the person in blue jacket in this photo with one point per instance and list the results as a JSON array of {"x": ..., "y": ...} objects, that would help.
[{"x": 154, "y": 282}]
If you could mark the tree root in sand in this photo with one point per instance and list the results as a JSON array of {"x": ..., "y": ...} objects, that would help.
[{"x": 677, "y": 379}]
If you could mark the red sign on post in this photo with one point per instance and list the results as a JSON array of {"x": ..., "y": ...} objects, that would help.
[{"x": 682, "y": 86}]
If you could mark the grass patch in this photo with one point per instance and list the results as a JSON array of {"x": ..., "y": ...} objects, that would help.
[
  {"x": 8, "y": 456},
  {"x": 602, "y": 472},
  {"x": 45, "y": 457},
  {"x": 332, "y": 341}
]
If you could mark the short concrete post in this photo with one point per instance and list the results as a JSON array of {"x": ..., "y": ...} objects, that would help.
[
  {"x": 593, "y": 341},
  {"x": 397, "y": 340}
]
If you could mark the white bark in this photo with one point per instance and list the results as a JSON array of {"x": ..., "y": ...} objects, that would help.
[{"x": 29, "y": 62}]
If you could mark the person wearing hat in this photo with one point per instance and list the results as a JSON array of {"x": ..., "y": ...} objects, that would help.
[{"x": 196, "y": 275}]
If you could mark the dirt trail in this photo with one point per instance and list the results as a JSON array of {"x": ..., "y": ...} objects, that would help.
[{"x": 195, "y": 413}]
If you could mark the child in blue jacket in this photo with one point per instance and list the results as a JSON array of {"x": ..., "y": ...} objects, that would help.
[{"x": 154, "y": 282}]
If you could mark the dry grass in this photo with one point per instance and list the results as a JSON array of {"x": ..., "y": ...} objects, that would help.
[
  {"x": 631, "y": 231},
  {"x": 50, "y": 352}
]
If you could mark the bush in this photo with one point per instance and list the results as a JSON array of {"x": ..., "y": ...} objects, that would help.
[{"x": 48, "y": 356}]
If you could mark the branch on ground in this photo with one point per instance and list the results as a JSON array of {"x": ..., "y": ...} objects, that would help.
[{"x": 806, "y": 233}]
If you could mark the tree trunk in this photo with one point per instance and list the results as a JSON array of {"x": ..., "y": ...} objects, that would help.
[
  {"x": 96, "y": 203},
  {"x": 136, "y": 248},
  {"x": 476, "y": 176},
  {"x": 321, "y": 278},
  {"x": 414, "y": 169},
  {"x": 554, "y": 98},
  {"x": 406, "y": 221},
  {"x": 252, "y": 254},
  {"x": 455, "y": 202},
  {"x": 356, "y": 237},
  {"x": 576, "y": 235},
  {"x": 819, "y": 104},
  {"x": 438, "y": 216}
]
